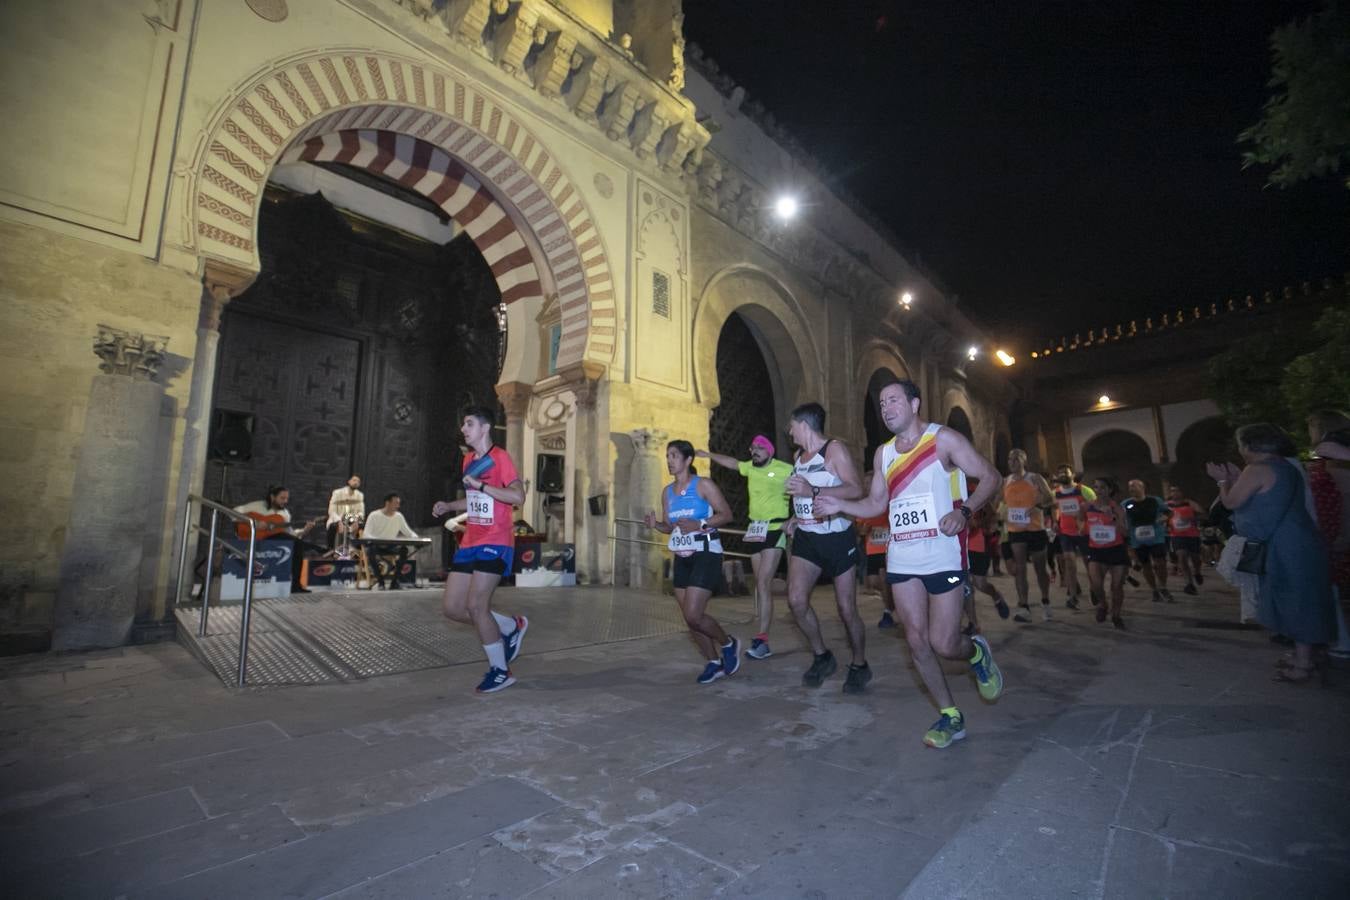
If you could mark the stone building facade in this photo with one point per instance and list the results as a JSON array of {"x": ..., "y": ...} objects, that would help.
[{"x": 621, "y": 200}]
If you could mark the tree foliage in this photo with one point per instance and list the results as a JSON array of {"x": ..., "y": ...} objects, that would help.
[{"x": 1304, "y": 131}]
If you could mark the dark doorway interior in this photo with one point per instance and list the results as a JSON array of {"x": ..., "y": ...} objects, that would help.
[
  {"x": 355, "y": 351},
  {"x": 877, "y": 433},
  {"x": 747, "y": 409}
]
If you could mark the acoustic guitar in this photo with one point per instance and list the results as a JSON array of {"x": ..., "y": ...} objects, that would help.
[{"x": 272, "y": 524}]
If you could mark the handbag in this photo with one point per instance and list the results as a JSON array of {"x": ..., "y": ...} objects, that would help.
[{"x": 1253, "y": 558}]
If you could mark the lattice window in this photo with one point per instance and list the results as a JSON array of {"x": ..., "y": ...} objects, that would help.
[{"x": 661, "y": 294}]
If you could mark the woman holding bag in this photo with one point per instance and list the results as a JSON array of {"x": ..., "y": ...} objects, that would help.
[{"x": 1270, "y": 507}]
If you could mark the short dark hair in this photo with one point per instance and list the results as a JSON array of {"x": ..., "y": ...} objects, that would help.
[
  {"x": 484, "y": 414},
  {"x": 685, "y": 449},
  {"x": 391, "y": 496},
  {"x": 910, "y": 388},
  {"x": 1112, "y": 486},
  {"x": 812, "y": 414},
  {"x": 1263, "y": 437}
]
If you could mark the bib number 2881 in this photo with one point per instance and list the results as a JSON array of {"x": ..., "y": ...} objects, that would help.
[{"x": 913, "y": 518}]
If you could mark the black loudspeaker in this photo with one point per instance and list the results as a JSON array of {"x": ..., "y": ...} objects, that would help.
[
  {"x": 548, "y": 474},
  {"x": 231, "y": 436}
]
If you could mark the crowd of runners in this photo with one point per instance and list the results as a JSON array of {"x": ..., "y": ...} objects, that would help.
[{"x": 930, "y": 516}]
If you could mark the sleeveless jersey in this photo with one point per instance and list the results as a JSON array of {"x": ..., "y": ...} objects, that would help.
[
  {"x": 1070, "y": 504},
  {"x": 1183, "y": 522},
  {"x": 1102, "y": 530},
  {"x": 814, "y": 471},
  {"x": 921, "y": 492},
  {"x": 1023, "y": 513},
  {"x": 689, "y": 505}
]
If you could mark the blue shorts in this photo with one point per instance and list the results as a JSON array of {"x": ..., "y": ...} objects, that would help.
[{"x": 495, "y": 559}]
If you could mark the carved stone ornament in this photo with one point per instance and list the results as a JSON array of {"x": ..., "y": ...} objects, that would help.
[
  {"x": 271, "y": 10},
  {"x": 127, "y": 353},
  {"x": 554, "y": 442}
]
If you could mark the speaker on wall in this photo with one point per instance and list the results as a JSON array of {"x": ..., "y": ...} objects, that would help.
[
  {"x": 548, "y": 474},
  {"x": 231, "y": 436}
]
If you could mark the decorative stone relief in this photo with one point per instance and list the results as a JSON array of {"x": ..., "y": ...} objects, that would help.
[
  {"x": 272, "y": 10},
  {"x": 604, "y": 185},
  {"x": 556, "y": 443},
  {"x": 129, "y": 353}
]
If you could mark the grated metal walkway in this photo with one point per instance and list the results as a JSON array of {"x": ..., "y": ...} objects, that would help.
[{"x": 334, "y": 636}]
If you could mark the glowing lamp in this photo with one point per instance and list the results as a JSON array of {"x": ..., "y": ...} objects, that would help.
[
  {"x": 1103, "y": 400},
  {"x": 786, "y": 207},
  {"x": 972, "y": 352},
  {"x": 1005, "y": 358}
]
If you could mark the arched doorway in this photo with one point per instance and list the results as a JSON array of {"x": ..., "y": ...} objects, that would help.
[
  {"x": 873, "y": 428},
  {"x": 1119, "y": 454},
  {"x": 748, "y": 407},
  {"x": 957, "y": 420},
  {"x": 1002, "y": 447},
  {"x": 1209, "y": 440}
]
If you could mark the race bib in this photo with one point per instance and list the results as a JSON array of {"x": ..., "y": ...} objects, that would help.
[
  {"x": 803, "y": 509},
  {"x": 913, "y": 518},
  {"x": 878, "y": 535},
  {"x": 1102, "y": 534},
  {"x": 1069, "y": 507},
  {"x": 1145, "y": 533},
  {"x": 682, "y": 544},
  {"x": 1019, "y": 515},
  {"x": 758, "y": 532},
  {"x": 480, "y": 508},
  {"x": 1181, "y": 524}
]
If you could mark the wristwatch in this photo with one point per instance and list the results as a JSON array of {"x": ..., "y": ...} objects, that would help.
[
  {"x": 815, "y": 492},
  {"x": 966, "y": 511},
  {"x": 703, "y": 524}
]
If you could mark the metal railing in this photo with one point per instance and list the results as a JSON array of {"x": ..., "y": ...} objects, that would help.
[
  {"x": 663, "y": 544},
  {"x": 191, "y": 529}
]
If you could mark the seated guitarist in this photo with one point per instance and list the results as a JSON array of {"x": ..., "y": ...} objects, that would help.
[{"x": 274, "y": 524}]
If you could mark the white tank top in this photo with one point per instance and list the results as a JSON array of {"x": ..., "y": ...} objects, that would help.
[
  {"x": 814, "y": 471},
  {"x": 921, "y": 492}
]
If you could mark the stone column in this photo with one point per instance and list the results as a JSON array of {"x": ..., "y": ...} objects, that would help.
[
  {"x": 105, "y": 539},
  {"x": 648, "y": 478},
  {"x": 515, "y": 399}
]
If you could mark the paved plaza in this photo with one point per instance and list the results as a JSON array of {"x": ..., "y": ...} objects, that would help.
[{"x": 1156, "y": 762}]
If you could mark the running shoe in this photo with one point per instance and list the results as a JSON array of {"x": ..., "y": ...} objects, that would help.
[
  {"x": 1002, "y": 606},
  {"x": 1045, "y": 611},
  {"x": 1167, "y": 595},
  {"x": 1023, "y": 613},
  {"x": 731, "y": 656},
  {"x": 1118, "y": 622},
  {"x": 513, "y": 640},
  {"x": 711, "y": 672},
  {"x": 759, "y": 649},
  {"x": 945, "y": 730},
  {"x": 1101, "y": 612},
  {"x": 822, "y": 667},
  {"x": 857, "y": 679},
  {"x": 1157, "y": 597},
  {"x": 1190, "y": 589},
  {"x": 887, "y": 620},
  {"x": 495, "y": 680},
  {"x": 1072, "y": 603},
  {"x": 988, "y": 676}
]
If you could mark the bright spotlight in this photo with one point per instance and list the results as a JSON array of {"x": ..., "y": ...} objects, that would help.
[
  {"x": 1005, "y": 358},
  {"x": 1104, "y": 400},
  {"x": 972, "y": 352},
  {"x": 786, "y": 207},
  {"x": 906, "y": 299}
]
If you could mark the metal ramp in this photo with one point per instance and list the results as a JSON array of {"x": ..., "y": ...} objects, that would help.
[{"x": 336, "y": 636}]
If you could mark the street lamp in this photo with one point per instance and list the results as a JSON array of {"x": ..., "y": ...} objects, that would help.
[
  {"x": 786, "y": 207},
  {"x": 906, "y": 299},
  {"x": 1005, "y": 358},
  {"x": 972, "y": 353}
]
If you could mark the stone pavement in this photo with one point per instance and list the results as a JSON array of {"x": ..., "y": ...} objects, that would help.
[{"x": 1156, "y": 762}]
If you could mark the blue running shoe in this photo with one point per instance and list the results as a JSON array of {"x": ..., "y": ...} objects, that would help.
[
  {"x": 988, "y": 676},
  {"x": 887, "y": 620},
  {"x": 731, "y": 657},
  {"x": 711, "y": 672},
  {"x": 946, "y": 730},
  {"x": 512, "y": 640},
  {"x": 495, "y": 680},
  {"x": 759, "y": 649}
]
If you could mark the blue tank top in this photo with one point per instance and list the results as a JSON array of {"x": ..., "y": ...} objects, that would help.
[{"x": 689, "y": 505}]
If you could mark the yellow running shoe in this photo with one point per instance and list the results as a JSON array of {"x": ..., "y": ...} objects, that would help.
[
  {"x": 945, "y": 730},
  {"x": 988, "y": 675}
]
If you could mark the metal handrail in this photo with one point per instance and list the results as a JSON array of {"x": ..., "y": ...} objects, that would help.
[
  {"x": 189, "y": 529},
  {"x": 632, "y": 540}
]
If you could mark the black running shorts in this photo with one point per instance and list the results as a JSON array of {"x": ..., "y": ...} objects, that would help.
[{"x": 834, "y": 552}]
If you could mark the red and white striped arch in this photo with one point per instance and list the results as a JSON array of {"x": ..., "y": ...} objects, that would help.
[
  {"x": 434, "y": 132},
  {"x": 440, "y": 178}
]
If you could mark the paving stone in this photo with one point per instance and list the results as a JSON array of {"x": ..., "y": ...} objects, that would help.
[
  {"x": 647, "y": 869},
  {"x": 343, "y": 857},
  {"x": 479, "y": 870}
]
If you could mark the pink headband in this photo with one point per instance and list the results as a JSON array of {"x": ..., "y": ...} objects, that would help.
[{"x": 760, "y": 440}]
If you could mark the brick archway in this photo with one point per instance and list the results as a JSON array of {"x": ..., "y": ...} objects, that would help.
[{"x": 434, "y": 132}]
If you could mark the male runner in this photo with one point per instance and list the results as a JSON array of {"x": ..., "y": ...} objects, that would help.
[
  {"x": 1071, "y": 500},
  {"x": 824, "y": 544},
  {"x": 1147, "y": 517},
  {"x": 766, "y": 479},
  {"x": 1024, "y": 493},
  {"x": 1183, "y": 533},
  {"x": 920, "y": 477},
  {"x": 485, "y": 551}
]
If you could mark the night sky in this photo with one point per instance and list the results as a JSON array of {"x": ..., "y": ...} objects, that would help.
[{"x": 1059, "y": 166}]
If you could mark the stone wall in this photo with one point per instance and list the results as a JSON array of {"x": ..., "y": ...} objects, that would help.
[{"x": 54, "y": 292}]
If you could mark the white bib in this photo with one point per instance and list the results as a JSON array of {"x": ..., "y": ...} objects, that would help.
[
  {"x": 1144, "y": 533},
  {"x": 913, "y": 518},
  {"x": 878, "y": 535},
  {"x": 480, "y": 508},
  {"x": 682, "y": 544},
  {"x": 1102, "y": 534},
  {"x": 1069, "y": 507},
  {"x": 1019, "y": 515},
  {"x": 758, "y": 532},
  {"x": 803, "y": 508},
  {"x": 1181, "y": 524}
]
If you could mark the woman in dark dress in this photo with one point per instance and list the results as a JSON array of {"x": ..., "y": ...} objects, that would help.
[{"x": 1269, "y": 503}]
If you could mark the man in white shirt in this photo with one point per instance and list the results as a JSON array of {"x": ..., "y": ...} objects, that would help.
[
  {"x": 274, "y": 524},
  {"x": 346, "y": 500},
  {"x": 388, "y": 523}
]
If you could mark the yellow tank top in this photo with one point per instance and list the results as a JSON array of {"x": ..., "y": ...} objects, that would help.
[{"x": 1023, "y": 513}]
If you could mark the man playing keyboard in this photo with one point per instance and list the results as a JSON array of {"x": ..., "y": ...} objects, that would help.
[{"x": 387, "y": 523}]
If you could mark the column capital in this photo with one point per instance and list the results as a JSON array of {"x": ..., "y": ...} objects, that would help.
[
  {"x": 646, "y": 439},
  {"x": 129, "y": 353},
  {"x": 515, "y": 398},
  {"x": 222, "y": 282}
]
